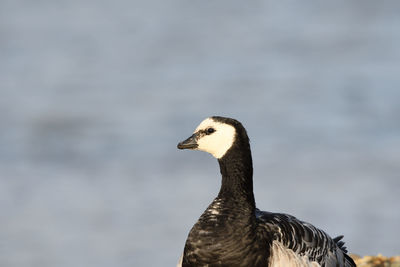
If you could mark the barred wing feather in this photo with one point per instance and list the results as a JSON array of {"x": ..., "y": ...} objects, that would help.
[{"x": 305, "y": 240}]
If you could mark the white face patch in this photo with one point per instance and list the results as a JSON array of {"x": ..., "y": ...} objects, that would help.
[{"x": 218, "y": 142}]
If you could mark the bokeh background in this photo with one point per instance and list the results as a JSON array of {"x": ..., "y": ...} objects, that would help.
[{"x": 96, "y": 94}]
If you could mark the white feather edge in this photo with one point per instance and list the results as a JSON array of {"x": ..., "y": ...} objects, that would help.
[
  {"x": 281, "y": 256},
  {"x": 180, "y": 261}
]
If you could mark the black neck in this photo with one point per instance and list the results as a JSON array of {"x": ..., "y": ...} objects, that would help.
[{"x": 237, "y": 176}]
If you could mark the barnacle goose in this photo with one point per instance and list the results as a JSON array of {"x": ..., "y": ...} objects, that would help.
[{"x": 232, "y": 231}]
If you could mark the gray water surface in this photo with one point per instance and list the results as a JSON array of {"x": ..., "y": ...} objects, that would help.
[{"x": 95, "y": 95}]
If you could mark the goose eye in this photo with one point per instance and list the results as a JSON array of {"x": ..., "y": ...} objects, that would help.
[{"x": 210, "y": 130}]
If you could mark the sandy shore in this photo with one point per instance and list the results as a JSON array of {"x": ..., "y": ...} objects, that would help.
[{"x": 376, "y": 261}]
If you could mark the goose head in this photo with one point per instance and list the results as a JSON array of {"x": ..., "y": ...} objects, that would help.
[{"x": 215, "y": 135}]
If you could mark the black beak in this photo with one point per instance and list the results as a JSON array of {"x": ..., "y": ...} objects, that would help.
[{"x": 190, "y": 143}]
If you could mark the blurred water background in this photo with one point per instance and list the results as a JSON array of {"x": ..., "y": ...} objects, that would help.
[{"x": 95, "y": 95}]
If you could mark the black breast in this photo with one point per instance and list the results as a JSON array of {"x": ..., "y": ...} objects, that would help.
[{"x": 225, "y": 237}]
